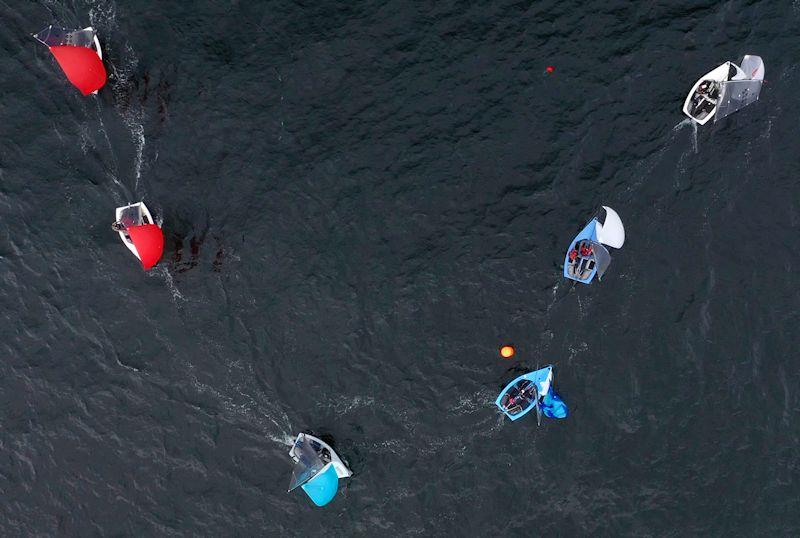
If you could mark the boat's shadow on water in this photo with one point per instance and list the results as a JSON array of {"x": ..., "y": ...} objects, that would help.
[
  {"x": 517, "y": 369},
  {"x": 187, "y": 246}
]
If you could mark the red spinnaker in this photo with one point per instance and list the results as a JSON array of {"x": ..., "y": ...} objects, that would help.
[
  {"x": 83, "y": 67},
  {"x": 149, "y": 242}
]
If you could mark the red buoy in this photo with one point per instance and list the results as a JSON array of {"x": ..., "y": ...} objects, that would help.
[{"x": 550, "y": 69}]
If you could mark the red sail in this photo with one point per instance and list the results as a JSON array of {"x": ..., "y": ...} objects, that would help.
[
  {"x": 82, "y": 66},
  {"x": 149, "y": 242}
]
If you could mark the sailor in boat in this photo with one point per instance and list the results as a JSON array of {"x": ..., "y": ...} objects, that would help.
[
  {"x": 524, "y": 393},
  {"x": 587, "y": 256},
  {"x": 573, "y": 260},
  {"x": 705, "y": 98},
  {"x": 581, "y": 259},
  {"x": 324, "y": 455},
  {"x": 119, "y": 226}
]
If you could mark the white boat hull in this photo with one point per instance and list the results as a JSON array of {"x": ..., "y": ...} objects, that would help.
[
  {"x": 342, "y": 471},
  {"x": 144, "y": 217},
  {"x": 720, "y": 74}
]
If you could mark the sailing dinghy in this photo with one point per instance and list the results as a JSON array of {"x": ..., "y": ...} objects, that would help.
[
  {"x": 530, "y": 391},
  {"x": 317, "y": 469},
  {"x": 79, "y": 54},
  {"x": 724, "y": 90},
  {"x": 587, "y": 256},
  {"x": 140, "y": 233}
]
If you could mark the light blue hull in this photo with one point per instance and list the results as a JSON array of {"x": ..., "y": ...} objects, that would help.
[
  {"x": 541, "y": 379},
  {"x": 589, "y": 233}
]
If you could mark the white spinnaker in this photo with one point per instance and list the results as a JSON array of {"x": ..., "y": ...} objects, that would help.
[
  {"x": 611, "y": 232},
  {"x": 753, "y": 67}
]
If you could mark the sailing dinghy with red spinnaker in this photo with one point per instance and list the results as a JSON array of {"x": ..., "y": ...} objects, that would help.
[
  {"x": 79, "y": 55},
  {"x": 140, "y": 233}
]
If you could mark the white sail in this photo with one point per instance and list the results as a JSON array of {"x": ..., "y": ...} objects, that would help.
[
  {"x": 54, "y": 36},
  {"x": 611, "y": 232},
  {"x": 735, "y": 95},
  {"x": 602, "y": 257},
  {"x": 307, "y": 466}
]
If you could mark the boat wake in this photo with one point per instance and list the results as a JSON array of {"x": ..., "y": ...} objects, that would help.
[
  {"x": 132, "y": 113},
  {"x": 163, "y": 272},
  {"x": 687, "y": 123},
  {"x": 668, "y": 154},
  {"x": 102, "y": 16},
  {"x": 282, "y": 439},
  {"x": 238, "y": 405}
]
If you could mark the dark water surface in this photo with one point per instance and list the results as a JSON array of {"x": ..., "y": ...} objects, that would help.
[{"x": 362, "y": 201}]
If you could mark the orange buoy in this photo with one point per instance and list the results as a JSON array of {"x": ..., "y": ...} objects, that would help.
[{"x": 507, "y": 352}]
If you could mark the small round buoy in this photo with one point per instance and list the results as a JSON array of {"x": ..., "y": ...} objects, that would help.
[
  {"x": 507, "y": 352},
  {"x": 550, "y": 69}
]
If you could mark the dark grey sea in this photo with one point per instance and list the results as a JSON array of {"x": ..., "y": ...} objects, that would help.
[{"x": 362, "y": 201}]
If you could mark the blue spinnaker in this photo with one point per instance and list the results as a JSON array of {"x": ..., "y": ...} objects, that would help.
[
  {"x": 322, "y": 488},
  {"x": 553, "y": 406}
]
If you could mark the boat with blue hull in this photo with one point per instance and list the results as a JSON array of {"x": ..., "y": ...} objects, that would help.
[
  {"x": 532, "y": 391},
  {"x": 587, "y": 256}
]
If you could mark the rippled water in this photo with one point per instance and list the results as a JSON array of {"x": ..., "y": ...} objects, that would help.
[{"x": 362, "y": 201}]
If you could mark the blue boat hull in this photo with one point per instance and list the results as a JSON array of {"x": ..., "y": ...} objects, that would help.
[
  {"x": 541, "y": 379},
  {"x": 589, "y": 233}
]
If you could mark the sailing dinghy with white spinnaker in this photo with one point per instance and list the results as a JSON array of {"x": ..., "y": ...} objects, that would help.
[
  {"x": 587, "y": 255},
  {"x": 724, "y": 90}
]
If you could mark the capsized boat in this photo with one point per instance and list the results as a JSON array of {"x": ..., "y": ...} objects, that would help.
[
  {"x": 317, "y": 468},
  {"x": 79, "y": 54},
  {"x": 530, "y": 391},
  {"x": 586, "y": 256},
  {"x": 140, "y": 233},
  {"x": 724, "y": 90}
]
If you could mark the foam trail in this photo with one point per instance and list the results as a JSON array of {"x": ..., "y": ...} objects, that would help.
[
  {"x": 132, "y": 114},
  {"x": 680, "y": 125},
  {"x": 283, "y": 439},
  {"x": 104, "y": 15},
  {"x": 126, "y": 195},
  {"x": 163, "y": 272}
]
